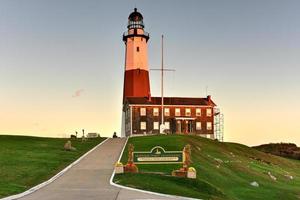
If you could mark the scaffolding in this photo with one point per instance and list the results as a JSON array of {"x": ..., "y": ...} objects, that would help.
[{"x": 218, "y": 125}]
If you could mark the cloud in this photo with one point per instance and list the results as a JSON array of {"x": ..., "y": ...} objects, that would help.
[{"x": 78, "y": 93}]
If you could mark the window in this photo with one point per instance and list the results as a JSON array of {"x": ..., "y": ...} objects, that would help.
[
  {"x": 167, "y": 111},
  {"x": 198, "y": 125},
  {"x": 137, "y": 49},
  {"x": 155, "y": 125},
  {"x": 155, "y": 112},
  {"x": 143, "y": 125},
  {"x": 208, "y": 126},
  {"x": 198, "y": 111},
  {"x": 143, "y": 111},
  {"x": 187, "y": 112},
  {"x": 177, "y": 111},
  {"x": 208, "y": 112},
  {"x": 167, "y": 125}
]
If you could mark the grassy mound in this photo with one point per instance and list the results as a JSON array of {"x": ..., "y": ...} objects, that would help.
[
  {"x": 28, "y": 161},
  {"x": 224, "y": 171}
]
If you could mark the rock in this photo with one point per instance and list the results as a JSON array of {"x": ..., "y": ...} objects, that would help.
[
  {"x": 254, "y": 184},
  {"x": 68, "y": 146},
  {"x": 272, "y": 177},
  {"x": 218, "y": 160},
  {"x": 289, "y": 176}
]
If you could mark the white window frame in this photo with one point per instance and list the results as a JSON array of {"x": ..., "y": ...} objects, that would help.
[
  {"x": 155, "y": 125},
  {"x": 177, "y": 112},
  {"x": 188, "y": 110},
  {"x": 167, "y": 112},
  {"x": 167, "y": 125},
  {"x": 208, "y": 112},
  {"x": 208, "y": 126},
  {"x": 143, "y": 111},
  {"x": 198, "y": 127},
  {"x": 143, "y": 126},
  {"x": 155, "y": 111},
  {"x": 198, "y": 112}
]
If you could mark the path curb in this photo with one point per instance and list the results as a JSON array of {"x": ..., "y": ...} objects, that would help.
[{"x": 43, "y": 184}]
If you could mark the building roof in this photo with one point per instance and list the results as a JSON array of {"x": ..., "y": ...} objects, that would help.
[{"x": 188, "y": 101}]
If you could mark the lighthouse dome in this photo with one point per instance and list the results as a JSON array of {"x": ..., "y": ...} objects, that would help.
[
  {"x": 135, "y": 16},
  {"x": 135, "y": 20}
]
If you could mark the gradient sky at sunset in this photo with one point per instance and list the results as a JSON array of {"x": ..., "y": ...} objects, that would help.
[{"x": 62, "y": 63}]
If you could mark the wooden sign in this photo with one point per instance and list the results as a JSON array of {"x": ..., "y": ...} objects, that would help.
[{"x": 157, "y": 155}]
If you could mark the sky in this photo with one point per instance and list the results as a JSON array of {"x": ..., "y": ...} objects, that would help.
[{"x": 62, "y": 63}]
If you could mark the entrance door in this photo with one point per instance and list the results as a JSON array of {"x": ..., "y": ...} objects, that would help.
[{"x": 190, "y": 126}]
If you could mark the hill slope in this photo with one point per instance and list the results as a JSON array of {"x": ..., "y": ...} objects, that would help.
[
  {"x": 287, "y": 150},
  {"x": 224, "y": 171},
  {"x": 27, "y": 161}
]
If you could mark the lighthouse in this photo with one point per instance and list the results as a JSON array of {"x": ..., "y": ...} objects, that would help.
[
  {"x": 136, "y": 77},
  {"x": 142, "y": 114}
]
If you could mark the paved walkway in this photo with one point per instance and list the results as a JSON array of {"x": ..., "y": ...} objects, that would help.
[{"x": 89, "y": 179}]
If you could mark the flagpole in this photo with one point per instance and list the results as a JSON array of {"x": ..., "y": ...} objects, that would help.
[{"x": 162, "y": 82}]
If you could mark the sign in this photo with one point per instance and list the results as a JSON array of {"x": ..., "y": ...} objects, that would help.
[{"x": 157, "y": 155}]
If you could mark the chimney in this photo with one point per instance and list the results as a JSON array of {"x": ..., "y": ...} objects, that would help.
[{"x": 209, "y": 98}]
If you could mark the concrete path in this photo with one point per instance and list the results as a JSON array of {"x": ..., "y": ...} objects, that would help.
[{"x": 89, "y": 179}]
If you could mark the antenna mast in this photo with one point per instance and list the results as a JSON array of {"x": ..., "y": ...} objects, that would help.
[{"x": 162, "y": 80}]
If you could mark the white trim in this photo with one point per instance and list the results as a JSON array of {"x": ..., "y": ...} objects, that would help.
[
  {"x": 143, "y": 191},
  {"x": 154, "y": 105},
  {"x": 43, "y": 184}
]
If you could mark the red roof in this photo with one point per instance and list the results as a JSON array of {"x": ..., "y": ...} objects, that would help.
[{"x": 171, "y": 101}]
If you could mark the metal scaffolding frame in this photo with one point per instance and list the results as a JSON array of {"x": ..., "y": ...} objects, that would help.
[{"x": 218, "y": 125}]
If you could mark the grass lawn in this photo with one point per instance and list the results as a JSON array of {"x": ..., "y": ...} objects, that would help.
[
  {"x": 27, "y": 161},
  {"x": 224, "y": 171}
]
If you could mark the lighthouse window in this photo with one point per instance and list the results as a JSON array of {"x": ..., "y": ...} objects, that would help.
[
  {"x": 208, "y": 126},
  {"x": 187, "y": 112},
  {"x": 143, "y": 112},
  {"x": 143, "y": 125},
  {"x": 155, "y": 112},
  {"x": 177, "y": 111},
  {"x": 198, "y": 111},
  {"x": 138, "y": 49},
  {"x": 167, "y": 125},
  {"x": 208, "y": 112},
  {"x": 155, "y": 125},
  {"x": 198, "y": 125},
  {"x": 167, "y": 111}
]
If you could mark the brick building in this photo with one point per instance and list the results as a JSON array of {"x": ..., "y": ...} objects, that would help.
[{"x": 181, "y": 116}]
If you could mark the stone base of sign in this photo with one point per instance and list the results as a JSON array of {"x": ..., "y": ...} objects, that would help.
[
  {"x": 131, "y": 168},
  {"x": 179, "y": 173},
  {"x": 119, "y": 168},
  {"x": 191, "y": 173}
]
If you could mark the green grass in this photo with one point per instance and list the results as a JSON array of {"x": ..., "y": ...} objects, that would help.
[
  {"x": 239, "y": 165},
  {"x": 27, "y": 161}
]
